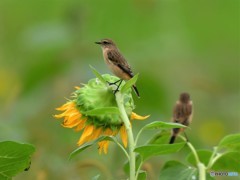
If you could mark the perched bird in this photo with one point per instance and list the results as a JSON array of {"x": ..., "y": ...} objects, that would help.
[
  {"x": 116, "y": 62},
  {"x": 182, "y": 113}
]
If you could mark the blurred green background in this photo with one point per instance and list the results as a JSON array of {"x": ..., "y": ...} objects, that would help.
[{"x": 46, "y": 47}]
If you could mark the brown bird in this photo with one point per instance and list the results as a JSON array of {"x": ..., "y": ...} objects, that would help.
[
  {"x": 182, "y": 113},
  {"x": 116, "y": 62}
]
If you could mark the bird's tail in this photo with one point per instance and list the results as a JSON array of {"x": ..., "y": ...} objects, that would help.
[
  {"x": 173, "y": 137},
  {"x": 136, "y": 90}
]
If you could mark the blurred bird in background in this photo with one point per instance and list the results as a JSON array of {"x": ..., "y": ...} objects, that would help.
[
  {"x": 116, "y": 62},
  {"x": 182, "y": 113}
]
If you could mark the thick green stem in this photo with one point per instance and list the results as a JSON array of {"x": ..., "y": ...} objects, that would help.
[
  {"x": 201, "y": 171},
  {"x": 201, "y": 166},
  {"x": 124, "y": 116}
]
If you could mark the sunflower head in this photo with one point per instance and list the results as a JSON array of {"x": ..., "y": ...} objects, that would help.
[
  {"x": 98, "y": 96},
  {"x": 94, "y": 110}
]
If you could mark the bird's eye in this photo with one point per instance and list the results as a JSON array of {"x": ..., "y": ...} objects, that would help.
[{"x": 105, "y": 42}]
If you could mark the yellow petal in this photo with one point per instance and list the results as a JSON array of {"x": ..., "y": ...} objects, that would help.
[
  {"x": 66, "y": 106},
  {"x": 100, "y": 147},
  {"x": 96, "y": 133},
  {"x": 81, "y": 125},
  {"x": 87, "y": 132},
  {"x": 71, "y": 124},
  {"x": 74, "y": 116},
  {"x": 138, "y": 117},
  {"x": 103, "y": 146},
  {"x": 108, "y": 132},
  {"x": 68, "y": 112},
  {"x": 124, "y": 136},
  {"x": 58, "y": 116}
]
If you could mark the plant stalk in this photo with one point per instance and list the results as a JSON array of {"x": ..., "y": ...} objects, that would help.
[
  {"x": 201, "y": 166},
  {"x": 124, "y": 116}
]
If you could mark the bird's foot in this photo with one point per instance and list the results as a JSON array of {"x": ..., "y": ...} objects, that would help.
[
  {"x": 113, "y": 83},
  {"x": 115, "y": 91}
]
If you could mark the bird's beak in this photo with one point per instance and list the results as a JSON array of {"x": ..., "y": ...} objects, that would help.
[{"x": 98, "y": 42}]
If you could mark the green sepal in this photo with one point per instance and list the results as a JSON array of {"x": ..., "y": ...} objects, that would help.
[
  {"x": 129, "y": 84},
  {"x": 98, "y": 75}
]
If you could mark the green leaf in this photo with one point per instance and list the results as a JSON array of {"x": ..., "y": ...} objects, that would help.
[
  {"x": 228, "y": 162},
  {"x": 142, "y": 175},
  {"x": 102, "y": 111},
  {"x": 150, "y": 150},
  {"x": 230, "y": 142},
  {"x": 176, "y": 170},
  {"x": 204, "y": 157},
  {"x": 163, "y": 125},
  {"x": 160, "y": 125},
  {"x": 98, "y": 75},
  {"x": 160, "y": 138},
  {"x": 129, "y": 83},
  {"x": 89, "y": 144},
  {"x": 14, "y": 158}
]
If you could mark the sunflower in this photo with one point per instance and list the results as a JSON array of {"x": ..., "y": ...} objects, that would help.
[{"x": 92, "y": 96}]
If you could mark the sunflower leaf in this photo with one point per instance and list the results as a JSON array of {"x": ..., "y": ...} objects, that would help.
[
  {"x": 177, "y": 170},
  {"x": 227, "y": 162},
  {"x": 160, "y": 125},
  {"x": 14, "y": 158},
  {"x": 163, "y": 125},
  {"x": 142, "y": 175},
  {"x": 89, "y": 144},
  {"x": 150, "y": 150},
  {"x": 98, "y": 75},
  {"x": 204, "y": 157},
  {"x": 230, "y": 142},
  {"x": 129, "y": 83},
  {"x": 102, "y": 111}
]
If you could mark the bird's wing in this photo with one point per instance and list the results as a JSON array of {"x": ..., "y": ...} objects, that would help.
[
  {"x": 177, "y": 112},
  {"x": 117, "y": 59},
  {"x": 182, "y": 112}
]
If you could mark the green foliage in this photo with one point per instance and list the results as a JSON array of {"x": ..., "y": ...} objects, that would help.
[
  {"x": 142, "y": 175},
  {"x": 230, "y": 142},
  {"x": 204, "y": 157},
  {"x": 14, "y": 158},
  {"x": 227, "y": 162},
  {"x": 176, "y": 170},
  {"x": 224, "y": 157},
  {"x": 129, "y": 84},
  {"x": 148, "y": 151},
  {"x": 163, "y": 125},
  {"x": 98, "y": 75},
  {"x": 89, "y": 144}
]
